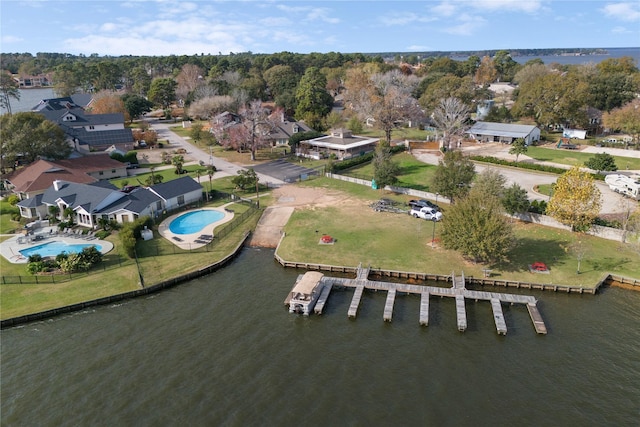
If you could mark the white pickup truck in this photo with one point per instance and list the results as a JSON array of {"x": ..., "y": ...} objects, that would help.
[{"x": 426, "y": 213}]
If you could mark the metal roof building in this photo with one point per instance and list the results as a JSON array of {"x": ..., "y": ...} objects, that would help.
[{"x": 503, "y": 132}]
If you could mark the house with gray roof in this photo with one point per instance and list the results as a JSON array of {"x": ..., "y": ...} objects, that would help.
[
  {"x": 91, "y": 202},
  {"x": 340, "y": 143},
  {"x": 87, "y": 132},
  {"x": 503, "y": 132}
]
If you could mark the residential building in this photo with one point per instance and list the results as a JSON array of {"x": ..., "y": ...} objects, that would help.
[
  {"x": 85, "y": 132},
  {"x": 340, "y": 143},
  {"x": 92, "y": 202}
]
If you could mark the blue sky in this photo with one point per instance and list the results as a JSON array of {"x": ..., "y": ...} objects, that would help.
[{"x": 163, "y": 27}]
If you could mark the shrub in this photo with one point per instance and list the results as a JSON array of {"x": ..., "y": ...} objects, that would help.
[
  {"x": 530, "y": 166},
  {"x": 13, "y": 199}
]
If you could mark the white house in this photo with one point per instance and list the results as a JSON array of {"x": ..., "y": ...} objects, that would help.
[{"x": 341, "y": 143}]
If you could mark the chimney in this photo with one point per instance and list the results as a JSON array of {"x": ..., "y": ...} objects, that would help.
[{"x": 57, "y": 185}]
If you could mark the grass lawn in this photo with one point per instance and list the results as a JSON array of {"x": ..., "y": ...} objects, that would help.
[
  {"x": 413, "y": 173},
  {"x": 400, "y": 242},
  {"x": 7, "y": 225},
  {"x": 17, "y": 300},
  {"x": 572, "y": 157}
]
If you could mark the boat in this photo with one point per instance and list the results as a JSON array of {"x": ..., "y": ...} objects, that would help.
[{"x": 305, "y": 293}]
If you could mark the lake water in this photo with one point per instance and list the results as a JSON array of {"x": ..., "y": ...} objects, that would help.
[{"x": 223, "y": 350}]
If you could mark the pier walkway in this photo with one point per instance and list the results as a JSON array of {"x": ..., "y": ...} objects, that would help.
[{"x": 457, "y": 291}]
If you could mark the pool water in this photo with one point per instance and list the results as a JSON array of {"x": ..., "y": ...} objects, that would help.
[
  {"x": 195, "y": 221},
  {"x": 52, "y": 249}
]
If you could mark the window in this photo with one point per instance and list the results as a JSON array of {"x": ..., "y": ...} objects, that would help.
[
  {"x": 159, "y": 205},
  {"x": 91, "y": 127},
  {"x": 180, "y": 200},
  {"x": 113, "y": 171},
  {"x": 101, "y": 173}
]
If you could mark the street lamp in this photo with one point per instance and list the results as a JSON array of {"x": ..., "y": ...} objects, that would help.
[
  {"x": 437, "y": 198},
  {"x": 433, "y": 234}
]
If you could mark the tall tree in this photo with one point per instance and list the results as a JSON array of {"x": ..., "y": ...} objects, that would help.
[
  {"x": 66, "y": 81},
  {"x": 385, "y": 170},
  {"x": 486, "y": 72},
  {"x": 8, "y": 89},
  {"x": 450, "y": 118},
  {"x": 515, "y": 200},
  {"x": 312, "y": 96},
  {"x": 162, "y": 91},
  {"x": 453, "y": 175},
  {"x": 252, "y": 133},
  {"x": 490, "y": 182},
  {"x": 625, "y": 119},
  {"x": 576, "y": 200},
  {"x": 477, "y": 228},
  {"x": 135, "y": 105},
  {"x": 29, "y": 136},
  {"x": 107, "y": 102},
  {"x": 190, "y": 77}
]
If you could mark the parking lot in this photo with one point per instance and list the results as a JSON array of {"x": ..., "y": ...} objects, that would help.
[{"x": 284, "y": 171}]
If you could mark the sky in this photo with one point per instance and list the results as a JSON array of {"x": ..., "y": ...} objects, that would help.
[{"x": 172, "y": 27}]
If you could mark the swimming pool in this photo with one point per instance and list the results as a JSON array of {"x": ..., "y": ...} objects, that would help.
[
  {"x": 54, "y": 248},
  {"x": 195, "y": 221}
]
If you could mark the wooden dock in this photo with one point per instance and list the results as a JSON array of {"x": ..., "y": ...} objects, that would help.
[
  {"x": 498, "y": 317},
  {"x": 322, "y": 300},
  {"x": 424, "y": 308},
  {"x": 388, "y": 305},
  {"x": 457, "y": 291}
]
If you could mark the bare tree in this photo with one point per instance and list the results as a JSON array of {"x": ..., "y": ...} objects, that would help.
[
  {"x": 189, "y": 78},
  {"x": 450, "y": 117},
  {"x": 252, "y": 133},
  {"x": 208, "y": 107}
]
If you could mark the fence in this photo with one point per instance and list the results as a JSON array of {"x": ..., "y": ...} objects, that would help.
[
  {"x": 152, "y": 248},
  {"x": 111, "y": 262}
]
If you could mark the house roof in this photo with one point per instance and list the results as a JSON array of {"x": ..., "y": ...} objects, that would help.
[
  {"x": 285, "y": 128},
  {"x": 307, "y": 283},
  {"x": 78, "y": 100},
  {"x": 170, "y": 189},
  {"x": 40, "y": 175},
  {"x": 501, "y": 129},
  {"x": 340, "y": 140},
  {"x": 136, "y": 201},
  {"x": 105, "y": 137},
  {"x": 89, "y": 197}
]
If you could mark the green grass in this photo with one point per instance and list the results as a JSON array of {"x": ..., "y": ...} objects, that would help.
[
  {"x": 413, "y": 173},
  {"x": 400, "y": 242},
  {"x": 17, "y": 300},
  {"x": 573, "y": 157},
  {"x": 7, "y": 225},
  {"x": 167, "y": 175}
]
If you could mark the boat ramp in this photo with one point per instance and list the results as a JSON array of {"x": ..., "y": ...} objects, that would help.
[{"x": 457, "y": 291}]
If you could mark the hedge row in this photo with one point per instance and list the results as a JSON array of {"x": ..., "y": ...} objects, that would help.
[
  {"x": 531, "y": 166},
  {"x": 365, "y": 158}
]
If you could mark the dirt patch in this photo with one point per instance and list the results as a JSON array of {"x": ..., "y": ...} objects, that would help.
[{"x": 289, "y": 198}]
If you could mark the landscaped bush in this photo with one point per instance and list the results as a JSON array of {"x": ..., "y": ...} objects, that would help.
[
  {"x": 131, "y": 231},
  {"x": 365, "y": 158},
  {"x": 530, "y": 166},
  {"x": 538, "y": 207},
  {"x": 66, "y": 263}
]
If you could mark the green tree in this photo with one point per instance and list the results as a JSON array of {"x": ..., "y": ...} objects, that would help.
[
  {"x": 453, "y": 175},
  {"x": 196, "y": 132},
  {"x": 385, "y": 170},
  {"x": 245, "y": 179},
  {"x": 518, "y": 146},
  {"x": 178, "y": 162},
  {"x": 8, "y": 89},
  {"x": 625, "y": 119},
  {"x": 312, "y": 96},
  {"x": 601, "y": 162},
  {"x": 477, "y": 228},
  {"x": 30, "y": 135},
  {"x": 295, "y": 139},
  {"x": 66, "y": 80},
  {"x": 162, "y": 91},
  {"x": 135, "y": 105},
  {"x": 490, "y": 182},
  {"x": 355, "y": 125},
  {"x": 515, "y": 200},
  {"x": 576, "y": 200},
  {"x": 153, "y": 178}
]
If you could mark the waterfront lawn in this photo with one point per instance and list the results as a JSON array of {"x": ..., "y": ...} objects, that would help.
[
  {"x": 400, "y": 242},
  {"x": 18, "y": 300}
]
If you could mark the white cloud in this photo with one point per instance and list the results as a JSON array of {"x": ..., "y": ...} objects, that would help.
[
  {"x": 322, "y": 14},
  {"x": 11, "y": 39},
  {"x": 468, "y": 25},
  {"x": 403, "y": 18},
  {"x": 621, "y": 30},
  {"x": 444, "y": 9},
  {"x": 417, "y": 48},
  {"x": 527, "y": 6},
  {"x": 629, "y": 12},
  {"x": 109, "y": 27},
  {"x": 274, "y": 21}
]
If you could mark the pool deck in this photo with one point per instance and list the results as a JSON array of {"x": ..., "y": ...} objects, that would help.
[
  {"x": 10, "y": 248},
  {"x": 194, "y": 240}
]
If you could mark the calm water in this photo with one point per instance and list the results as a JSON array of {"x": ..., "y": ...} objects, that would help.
[
  {"x": 192, "y": 222},
  {"x": 29, "y": 98},
  {"x": 223, "y": 350},
  {"x": 55, "y": 248}
]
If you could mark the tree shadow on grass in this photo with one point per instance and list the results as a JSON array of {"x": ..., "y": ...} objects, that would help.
[
  {"x": 607, "y": 264},
  {"x": 529, "y": 250}
]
